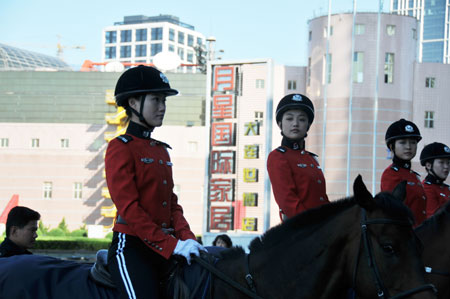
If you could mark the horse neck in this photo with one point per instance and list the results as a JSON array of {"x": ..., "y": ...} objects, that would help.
[
  {"x": 436, "y": 240},
  {"x": 321, "y": 253}
]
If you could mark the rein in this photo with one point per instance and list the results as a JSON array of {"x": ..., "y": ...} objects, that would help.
[
  {"x": 248, "y": 277},
  {"x": 366, "y": 243},
  {"x": 430, "y": 270}
]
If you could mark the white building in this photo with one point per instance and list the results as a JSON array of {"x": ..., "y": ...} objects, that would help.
[{"x": 139, "y": 38}]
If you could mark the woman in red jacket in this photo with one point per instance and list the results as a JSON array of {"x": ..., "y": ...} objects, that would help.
[
  {"x": 297, "y": 180},
  {"x": 436, "y": 159},
  {"x": 401, "y": 138},
  {"x": 150, "y": 226}
]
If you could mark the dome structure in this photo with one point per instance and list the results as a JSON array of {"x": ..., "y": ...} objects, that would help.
[{"x": 15, "y": 59}]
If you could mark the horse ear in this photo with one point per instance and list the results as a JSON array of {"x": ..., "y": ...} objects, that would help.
[
  {"x": 400, "y": 191},
  {"x": 362, "y": 196}
]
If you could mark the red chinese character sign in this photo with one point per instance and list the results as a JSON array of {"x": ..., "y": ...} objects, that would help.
[
  {"x": 222, "y": 162},
  {"x": 224, "y": 78},
  {"x": 223, "y": 106},
  {"x": 222, "y": 134}
]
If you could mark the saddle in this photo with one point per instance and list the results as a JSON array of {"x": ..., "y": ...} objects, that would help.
[{"x": 180, "y": 281}]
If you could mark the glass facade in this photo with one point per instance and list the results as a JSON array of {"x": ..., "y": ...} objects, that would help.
[
  {"x": 432, "y": 52},
  {"x": 110, "y": 52},
  {"x": 141, "y": 50},
  {"x": 111, "y": 37},
  {"x": 12, "y": 58},
  {"x": 125, "y": 36},
  {"x": 434, "y": 19},
  {"x": 125, "y": 51}
]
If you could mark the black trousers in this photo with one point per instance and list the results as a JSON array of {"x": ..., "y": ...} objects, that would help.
[{"x": 135, "y": 268}]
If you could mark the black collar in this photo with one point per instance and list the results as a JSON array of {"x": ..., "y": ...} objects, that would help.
[
  {"x": 139, "y": 130},
  {"x": 9, "y": 248},
  {"x": 401, "y": 163},
  {"x": 433, "y": 180},
  {"x": 293, "y": 144}
]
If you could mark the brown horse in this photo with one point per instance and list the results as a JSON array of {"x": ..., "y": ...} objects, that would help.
[
  {"x": 435, "y": 235},
  {"x": 363, "y": 242}
]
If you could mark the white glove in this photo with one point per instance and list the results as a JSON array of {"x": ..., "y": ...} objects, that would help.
[{"x": 188, "y": 247}]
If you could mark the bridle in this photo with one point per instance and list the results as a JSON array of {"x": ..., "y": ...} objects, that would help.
[{"x": 367, "y": 246}]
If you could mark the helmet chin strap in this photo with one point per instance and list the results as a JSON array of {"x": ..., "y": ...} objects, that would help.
[{"x": 140, "y": 114}]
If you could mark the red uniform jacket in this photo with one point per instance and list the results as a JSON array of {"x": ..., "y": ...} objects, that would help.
[
  {"x": 139, "y": 178},
  {"x": 415, "y": 194},
  {"x": 438, "y": 194},
  {"x": 297, "y": 180}
]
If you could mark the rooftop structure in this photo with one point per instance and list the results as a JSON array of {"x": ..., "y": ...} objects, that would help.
[{"x": 15, "y": 59}]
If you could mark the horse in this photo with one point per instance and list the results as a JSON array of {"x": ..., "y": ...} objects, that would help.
[
  {"x": 362, "y": 242},
  {"x": 435, "y": 235}
]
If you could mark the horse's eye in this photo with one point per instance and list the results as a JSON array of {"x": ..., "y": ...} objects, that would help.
[{"x": 388, "y": 249}]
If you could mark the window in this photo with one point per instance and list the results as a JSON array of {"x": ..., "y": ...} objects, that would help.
[
  {"x": 259, "y": 83},
  {"x": 358, "y": 67},
  {"x": 190, "y": 40},
  {"x": 190, "y": 56},
  {"x": 141, "y": 50},
  {"x": 181, "y": 38},
  {"x": 292, "y": 84},
  {"x": 35, "y": 142},
  {"x": 429, "y": 119},
  {"x": 181, "y": 53},
  {"x": 47, "y": 190},
  {"x": 77, "y": 190},
  {"x": 389, "y": 68},
  {"x": 155, "y": 49},
  {"x": 360, "y": 29},
  {"x": 64, "y": 143},
  {"x": 171, "y": 48},
  {"x": 125, "y": 51},
  {"x": 110, "y": 52},
  {"x": 414, "y": 33},
  {"x": 199, "y": 41},
  {"x": 4, "y": 142},
  {"x": 310, "y": 35},
  {"x": 326, "y": 69},
  {"x": 110, "y": 37},
  {"x": 141, "y": 35},
  {"x": 390, "y": 30},
  {"x": 125, "y": 36},
  {"x": 259, "y": 115},
  {"x": 172, "y": 34},
  {"x": 325, "y": 29},
  {"x": 157, "y": 33},
  {"x": 308, "y": 75},
  {"x": 429, "y": 82}
]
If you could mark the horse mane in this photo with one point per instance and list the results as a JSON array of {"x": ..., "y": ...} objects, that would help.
[
  {"x": 438, "y": 219},
  {"x": 312, "y": 218}
]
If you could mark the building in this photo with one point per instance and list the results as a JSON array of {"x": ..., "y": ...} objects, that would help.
[
  {"x": 140, "y": 38},
  {"x": 52, "y": 143},
  {"x": 434, "y": 30},
  {"x": 15, "y": 59}
]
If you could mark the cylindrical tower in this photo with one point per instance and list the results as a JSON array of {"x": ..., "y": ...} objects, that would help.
[{"x": 392, "y": 99}]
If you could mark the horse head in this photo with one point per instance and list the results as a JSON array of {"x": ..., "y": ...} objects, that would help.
[{"x": 388, "y": 247}]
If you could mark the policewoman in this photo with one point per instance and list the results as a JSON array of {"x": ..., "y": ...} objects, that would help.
[
  {"x": 401, "y": 139},
  {"x": 297, "y": 180},
  {"x": 150, "y": 226},
  {"x": 435, "y": 157}
]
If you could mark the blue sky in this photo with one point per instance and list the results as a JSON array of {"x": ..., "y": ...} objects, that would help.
[{"x": 244, "y": 29}]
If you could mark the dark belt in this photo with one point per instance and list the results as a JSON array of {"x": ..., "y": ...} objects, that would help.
[{"x": 120, "y": 220}]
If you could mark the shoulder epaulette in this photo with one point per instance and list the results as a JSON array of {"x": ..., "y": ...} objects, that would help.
[
  {"x": 163, "y": 144},
  {"x": 312, "y": 154},
  {"x": 395, "y": 168},
  {"x": 125, "y": 138},
  {"x": 281, "y": 149}
]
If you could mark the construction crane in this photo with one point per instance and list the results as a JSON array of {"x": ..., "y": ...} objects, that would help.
[{"x": 60, "y": 48}]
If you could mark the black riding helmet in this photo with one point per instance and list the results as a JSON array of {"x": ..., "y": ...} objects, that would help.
[
  {"x": 402, "y": 129},
  {"x": 139, "y": 81},
  {"x": 295, "y": 101},
  {"x": 433, "y": 151}
]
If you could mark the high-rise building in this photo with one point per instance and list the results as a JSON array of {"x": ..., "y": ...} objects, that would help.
[
  {"x": 139, "y": 38},
  {"x": 434, "y": 31}
]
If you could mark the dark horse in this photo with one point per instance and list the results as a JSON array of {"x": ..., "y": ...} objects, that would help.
[
  {"x": 325, "y": 251},
  {"x": 435, "y": 235}
]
